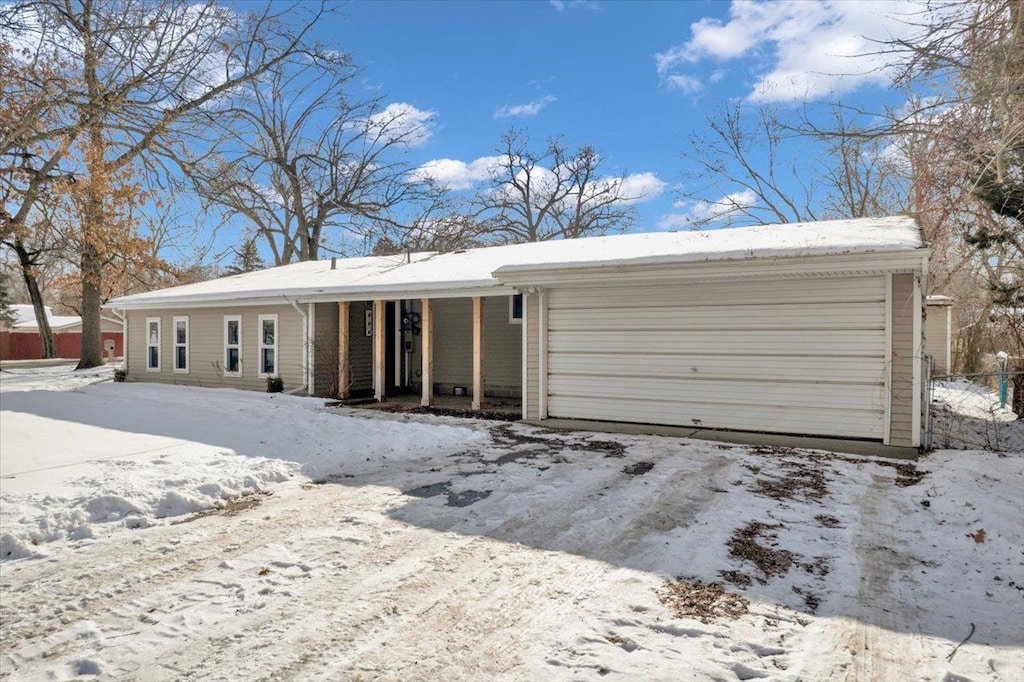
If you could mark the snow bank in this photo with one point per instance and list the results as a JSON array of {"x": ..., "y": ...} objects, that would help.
[{"x": 120, "y": 456}]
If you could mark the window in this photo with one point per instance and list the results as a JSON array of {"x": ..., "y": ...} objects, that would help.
[
  {"x": 233, "y": 344},
  {"x": 268, "y": 345},
  {"x": 181, "y": 344},
  {"x": 152, "y": 344},
  {"x": 515, "y": 309}
]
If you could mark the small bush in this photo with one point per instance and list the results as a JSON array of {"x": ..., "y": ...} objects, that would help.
[
  {"x": 275, "y": 384},
  {"x": 120, "y": 375}
]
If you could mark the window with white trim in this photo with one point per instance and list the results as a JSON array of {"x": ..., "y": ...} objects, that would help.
[
  {"x": 233, "y": 345},
  {"x": 268, "y": 345},
  {"x": 152, "y": 344},
  {"x": 515, "y": 309},
  {"x": 181, "y": 344}
]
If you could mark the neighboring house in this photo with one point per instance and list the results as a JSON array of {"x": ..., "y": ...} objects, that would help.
[
  {"x": 938, "y": 333},
  {"x": 22, "y": 341},
  {"x": 808, "y": 328}
]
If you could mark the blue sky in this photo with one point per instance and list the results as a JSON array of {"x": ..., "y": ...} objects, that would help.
[{"x": 634, "y": 79}]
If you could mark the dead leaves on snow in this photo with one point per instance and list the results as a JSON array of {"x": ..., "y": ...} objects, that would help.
[{"x": 706, "y": 601}]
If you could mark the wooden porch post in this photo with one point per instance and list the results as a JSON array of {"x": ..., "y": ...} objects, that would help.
[
  {"x": 343, "y": 344},
  {"x": 478, "y": 352},
  {"x": 379, "y": 325},
  {"x": 427, "y": 354}
]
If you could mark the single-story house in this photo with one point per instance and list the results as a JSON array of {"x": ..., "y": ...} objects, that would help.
[
  {"x": 808, "y": 328},
  {"x": 22, "y": 341}
]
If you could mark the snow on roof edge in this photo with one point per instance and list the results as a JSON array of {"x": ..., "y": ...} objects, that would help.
[{"x": 483, "y": 267}]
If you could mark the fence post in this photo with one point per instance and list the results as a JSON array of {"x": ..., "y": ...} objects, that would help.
[{"x": 1003, "y": 358}]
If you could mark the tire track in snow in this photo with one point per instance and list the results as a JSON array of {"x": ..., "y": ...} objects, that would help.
[{"x": 101, "y": 578}]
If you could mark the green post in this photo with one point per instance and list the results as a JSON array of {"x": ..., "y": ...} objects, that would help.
[{"x": 1004, "y": 378}]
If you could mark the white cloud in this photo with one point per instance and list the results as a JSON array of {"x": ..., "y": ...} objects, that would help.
[
  {"x": 459, "y": 175},
  {"x": 810, "y": 49},
  {"x": 562, "y": 5},
  {"x": 523, "y": 110},
  {"x": 687, "y": 84},
  {"x": 403, "y": 124},
  {"x": 640, "y": 187},
  {"x": 455, "y": 174},
  {"x": 704, "y": 212}
]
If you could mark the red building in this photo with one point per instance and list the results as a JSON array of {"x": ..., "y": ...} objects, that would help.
[{"x": 22, "y": 341}]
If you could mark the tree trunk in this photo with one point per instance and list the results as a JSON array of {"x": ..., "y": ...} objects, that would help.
[
  {"x": 92, "y": 346},
  {"x": 28, "y": 274}
]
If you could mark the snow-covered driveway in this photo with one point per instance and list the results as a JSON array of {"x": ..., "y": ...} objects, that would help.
[{"x": 415, "y": 548}]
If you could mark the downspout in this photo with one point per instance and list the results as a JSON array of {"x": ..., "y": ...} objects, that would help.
[
  {"x": 305, "y": 348},
  {"x": 124, "y": 337}
]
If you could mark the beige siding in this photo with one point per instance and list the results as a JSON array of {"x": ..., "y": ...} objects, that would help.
[
  {"x": 503, "y": 354},
  {"x": 902, "y": 388},
  {"x": 206, "y": 347},
  {"x": 936, "y": 334},
  {"x": 532, "y": 302},
  {"x": 803, "y": 357},
  {"x": 453, "y": 344},
  {"x": 325, "y": 354},
  {"x": 361, "y": 349}
]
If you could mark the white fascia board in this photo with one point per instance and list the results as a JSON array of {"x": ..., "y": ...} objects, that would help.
[
  {"x": 403, "y": 294},
  {"x": 313, "y": 296},
  {"x": 911, "y": 260}
]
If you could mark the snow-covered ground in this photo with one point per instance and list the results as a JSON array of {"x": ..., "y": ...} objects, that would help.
[
  {"x": 344, "y": 545},
  {"x": 966, "y": 415}
]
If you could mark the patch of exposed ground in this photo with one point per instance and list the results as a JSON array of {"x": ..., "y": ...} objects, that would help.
[
  {"x": 907, "y": 473},
  {"x": 638, "y": 468},
  {"x": 462, "y": 499},
  {"x": 490, "y": 415},
  {"x": 550, "y": 443},
  {"x": 688, "y": 598},
  {"x": 827, "y": 520},
  {"x": 756, "y": 544},
  {"x": 232, "y": 507}
]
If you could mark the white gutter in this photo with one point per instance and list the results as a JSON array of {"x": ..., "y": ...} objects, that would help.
[
  {"x": 542, "y": 354},
  {"x": 124, "y": 338},
  {"x": 305, "y": 348}
]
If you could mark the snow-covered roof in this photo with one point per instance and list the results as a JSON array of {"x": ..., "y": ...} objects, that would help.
[
  {"x": 478, "y": 268},
  {"x": 25, "y": 318}
]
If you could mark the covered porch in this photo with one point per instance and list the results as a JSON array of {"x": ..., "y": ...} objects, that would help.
[{"x": 457, "y": 352}]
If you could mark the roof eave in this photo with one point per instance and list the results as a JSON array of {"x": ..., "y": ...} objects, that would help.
[
  {"x": 488, "y": 287},
  {"x": 903, "y": 260}
]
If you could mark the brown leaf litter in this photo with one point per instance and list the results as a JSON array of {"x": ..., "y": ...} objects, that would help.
[{"x": 707, "y": 601}]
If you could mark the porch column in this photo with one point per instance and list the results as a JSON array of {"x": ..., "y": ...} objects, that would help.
[
  {"x": 427, "y": 352},
  {"x": 379, "y": 325},
  {"x": 343, "y": 344},
  {"x": 478, "y": 352}
]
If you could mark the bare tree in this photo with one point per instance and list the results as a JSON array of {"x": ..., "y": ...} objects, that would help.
[
  {"x": 744, "y": 171},
  {"x": 34, "y": 89},
  {"x": 141, "y": 80},
  {"x": 305, "y": 161},
  {"x": 969, "y": 56},
  {"x": 442, "y": 221},
  {"x": 554, "y": 193}
]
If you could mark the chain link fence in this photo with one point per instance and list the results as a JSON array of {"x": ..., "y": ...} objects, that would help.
[{"x": 973, "y": 412}]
